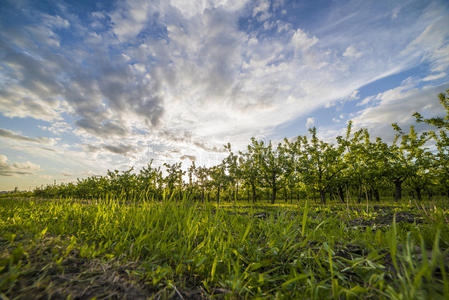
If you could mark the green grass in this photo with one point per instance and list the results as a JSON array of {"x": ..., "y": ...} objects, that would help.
[{"x": 182, "y": 250}]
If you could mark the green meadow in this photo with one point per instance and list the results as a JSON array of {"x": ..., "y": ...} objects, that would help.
[
  {"x": 224, "y": 149},
  {"x": 182, "y": 250}
]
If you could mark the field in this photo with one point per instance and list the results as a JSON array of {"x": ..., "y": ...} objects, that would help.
[
  {"x": 63, "y": 249},
  {"x": 224, "y": 149}
]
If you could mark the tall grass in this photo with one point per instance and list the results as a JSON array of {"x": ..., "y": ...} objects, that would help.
[{"x": 311, "y": 252}]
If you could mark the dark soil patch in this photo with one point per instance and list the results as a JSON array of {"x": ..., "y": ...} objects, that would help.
[
  {"x": 387, "y": 217},
  {"x": 39, "y": 274}
]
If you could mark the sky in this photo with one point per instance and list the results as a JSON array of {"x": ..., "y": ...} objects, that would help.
[{"x": 87, "y": 86}]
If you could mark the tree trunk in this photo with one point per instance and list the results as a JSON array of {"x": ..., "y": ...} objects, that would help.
[
  {"x": 273, "y": 195},
  {"x": 322, "y": 196},
  {"x": 341, "y": 194},
  {"x": 359, "y": 198},
  {"x": 236, "y": 192},
  {"x": 218, "y": 195},
  {"x": 397, "y": 190},
  {"x": 189, "y": 193},
  {"x": 418, "y": 193},
  {"x": 285, "y": 194},
  {"x": 253, "y": 188},
  {"x": 376, "y": 195}
]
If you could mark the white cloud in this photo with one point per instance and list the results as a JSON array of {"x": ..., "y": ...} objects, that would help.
[
  {"x": 352, "y": 52},
  {"x": 310, "y": 122},
  {"x": 55, "y": 21},
  {"x": 261, "y": 10},
  {"x": 46, "y": 177},
  {"x": 4, "y": 133},
  {"x": 398, "y": 105},
  {"x": 366, "y": 100},
  {"x": 17, "y": 168},
  {"x": 432, "y": 43},
  {"x": 302, "y": 41},
  {"x": 354, "y": 95},
  {"x": 130, "y": 18},
  {"x": 57, "y": 127},
  {"x": 395, "y": 12},
  {"x": 434, "y": 76}
]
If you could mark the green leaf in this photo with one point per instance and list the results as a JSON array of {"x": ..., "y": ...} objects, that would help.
[
  {"x": 299, "y": 277},
  {"x": 214, "y": 266}
]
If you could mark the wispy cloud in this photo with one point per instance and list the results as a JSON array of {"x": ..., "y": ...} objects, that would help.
[
  {"x": 119, "y": 149},
  {"x": 4, "y": 133},
  {"x": 310, "y": 122},
  {"x": 189, "y": 157},
  {"x": 434, "y": 77},
  {"x": 352, "y": 52},
  {"x": 17, "y": 168},
  {"x": 398, "y": 105}
]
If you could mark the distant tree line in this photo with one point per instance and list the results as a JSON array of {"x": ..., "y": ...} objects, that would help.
[{"x": 355, "y": 166}]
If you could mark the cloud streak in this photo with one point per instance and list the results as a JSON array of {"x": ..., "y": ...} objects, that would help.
[
  {"x": 398, "y": 105},
  {"x": 4, "y": 133},
  {"x": 12, "y": 169}
]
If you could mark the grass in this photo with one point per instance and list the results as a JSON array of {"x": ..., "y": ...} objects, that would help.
[{"x": 109, "y": 249}]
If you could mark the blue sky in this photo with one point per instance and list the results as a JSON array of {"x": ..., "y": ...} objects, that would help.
[{"x": 88, "y": 86}]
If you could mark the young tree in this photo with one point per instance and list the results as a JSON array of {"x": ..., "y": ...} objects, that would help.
[
  {"x": 375, "y": 162},
  {"x": 173, "y": 179},
  {"x": 201, "y": 173},
  {"x": 249, "y": 170},
  {"x": 366, "y": 161},
  {"x": 354, "y": 157},
  {"x": 290, "y": 152},
  {"x": 270, "y": 164},
  {"x": 419, "y": 159},
  {"x": 407, "y": 158},
  {"x": 441, "y": 137},
  {"x": 219, "y": 178},
  {"x": 150, "y": 181},
  {"x": 192, "y": 185},
  {"x": 231, "y": 163},
  {"x": 321, "y": 163}
]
